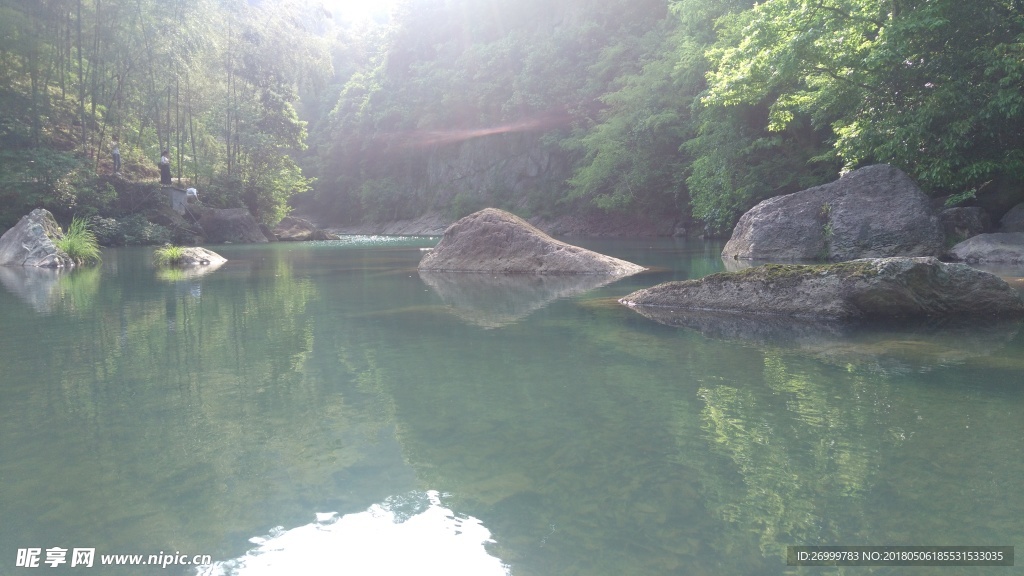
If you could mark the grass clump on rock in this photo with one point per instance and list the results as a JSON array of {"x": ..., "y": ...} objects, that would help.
[
  {"x": 169, "y": 255},
  {"x": 79, "y": 243}
]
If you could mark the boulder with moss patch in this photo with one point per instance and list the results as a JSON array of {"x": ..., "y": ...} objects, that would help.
[
  {"x": 867, "y": 289},
  {"x": 496, "y": 241}
]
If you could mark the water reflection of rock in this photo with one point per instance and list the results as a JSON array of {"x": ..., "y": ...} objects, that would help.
[
  {"x": 492, "y": 301},
  {"x": 889, "y": 347},
  {"x": 36, "y": 286},
  {"x": 47, "y": 288},
  {"x": 186, "y": 272}
]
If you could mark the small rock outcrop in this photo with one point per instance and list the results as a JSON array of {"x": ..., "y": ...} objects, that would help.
[
  {"x": 235, "y": 225},
  {"x": 873, "y": 212},
  {"x": 1004, "y": 248},
  {"x": 871, "y": 289},
  {"x": 1013, "y": 221},
  {"x": 496, "y": 241},
  {"x": 293, "y": 229},
  {"x": 963, "y": 222},
  {"x": 31, "y": 243},
  {"x": 197, "y": 256}
]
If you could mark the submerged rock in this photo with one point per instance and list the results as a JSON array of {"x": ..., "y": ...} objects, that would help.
[
  {"x": 1007, "y": 248},
  {"x": 31, "y": 243},
  {"x": 868, "y": 289},
  {"x": 496, "y": 241},
  {"x": 873, "y": 212}
]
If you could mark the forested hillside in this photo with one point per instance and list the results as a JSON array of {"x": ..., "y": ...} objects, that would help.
[
  {"x": 214, "y": 82},
  {"x": 692, "y": 109}
]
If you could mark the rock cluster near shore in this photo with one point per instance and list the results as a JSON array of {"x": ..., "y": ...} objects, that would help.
[{"x": 496, "y": 241}]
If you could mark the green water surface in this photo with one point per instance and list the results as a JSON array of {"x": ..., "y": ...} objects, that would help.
[{"x": 145, "y": 411}]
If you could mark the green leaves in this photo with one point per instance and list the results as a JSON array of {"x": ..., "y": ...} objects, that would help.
[{"x": 931, "y": 86}]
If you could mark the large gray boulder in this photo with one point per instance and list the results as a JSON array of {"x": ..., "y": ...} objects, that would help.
[
  {"x": 867, "y": 289},
  {"x": 873, "y": 212},
  {"x": 31, "y": 243},
  {"x": 496, "y": 241},
  {"x": 234, "y": 225},
  {"x": 1004, "y": 248}
]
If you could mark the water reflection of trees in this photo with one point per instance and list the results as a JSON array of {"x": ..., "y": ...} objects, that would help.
[{"x": 805, "y": 447}]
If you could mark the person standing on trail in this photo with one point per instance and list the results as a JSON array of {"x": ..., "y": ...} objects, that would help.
[
  {"x": 165, "y": 168},
  {"x": 115, "y": 153}
]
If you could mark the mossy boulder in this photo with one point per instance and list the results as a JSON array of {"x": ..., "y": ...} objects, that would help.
[
  {"x": 866, "y": 289},
  {"x": 496, "y": 241}
]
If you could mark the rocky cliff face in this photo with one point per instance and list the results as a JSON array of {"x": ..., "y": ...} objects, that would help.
[{"x": 507, "y": 168}]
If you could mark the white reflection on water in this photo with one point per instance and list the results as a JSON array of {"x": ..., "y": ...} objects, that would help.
[{"x": 412, "y": 534}]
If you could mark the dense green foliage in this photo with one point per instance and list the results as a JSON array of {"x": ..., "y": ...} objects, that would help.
[{"x": 694, "y": 109}]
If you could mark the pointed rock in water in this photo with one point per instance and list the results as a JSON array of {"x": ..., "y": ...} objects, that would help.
[
  {"x": 31, "y": 243},
  {"x": 496, "y": 241},
  {"x": 869, "y": 289}
]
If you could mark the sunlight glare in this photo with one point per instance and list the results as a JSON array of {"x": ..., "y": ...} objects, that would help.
[{"x": 359, "y": 9}]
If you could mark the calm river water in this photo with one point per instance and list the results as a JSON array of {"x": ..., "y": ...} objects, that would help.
[{"x": 324, "y": 409}]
